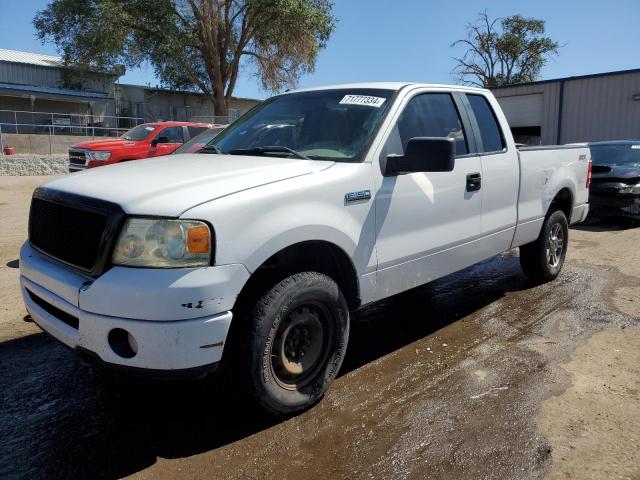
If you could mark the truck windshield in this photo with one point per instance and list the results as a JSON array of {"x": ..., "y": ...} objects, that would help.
[
  {"x": 326, "y": 125},
  {"x": 627, "y": 155},
  {"x": 139, "y": 133}
]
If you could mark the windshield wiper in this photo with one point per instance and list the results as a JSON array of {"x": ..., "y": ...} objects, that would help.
[
  {"x": 210, "y": 149},
  {"x": 267, "y": 150}
]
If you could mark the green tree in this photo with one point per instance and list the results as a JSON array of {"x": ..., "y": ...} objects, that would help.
[
  {"x": 503, "y": 51},
  {"x": 192, "y": 44}
]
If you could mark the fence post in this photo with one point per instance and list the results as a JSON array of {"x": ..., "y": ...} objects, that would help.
[
  {"x": 1, "y": 140},
  {"x": 50, "y": 141}
]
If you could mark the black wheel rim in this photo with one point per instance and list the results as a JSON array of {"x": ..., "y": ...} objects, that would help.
[{"x": 301, "y": 345}]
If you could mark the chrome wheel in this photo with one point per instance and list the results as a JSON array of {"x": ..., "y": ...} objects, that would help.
[
  {"x": 300, "y": 346},
  {"x": 555, "y": 245}
]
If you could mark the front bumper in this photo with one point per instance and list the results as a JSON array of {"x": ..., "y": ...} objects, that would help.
[
  {"x": 171, "y": 331},
  {"x": 73, "y": 167}
]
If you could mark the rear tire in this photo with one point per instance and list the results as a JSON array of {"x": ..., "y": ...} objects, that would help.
[
  {"x": 543, "y": 259},
  {"x": 298, "y": 340}
]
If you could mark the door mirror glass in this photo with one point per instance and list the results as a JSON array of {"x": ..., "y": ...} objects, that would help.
[{"x": 424, "y": 154}]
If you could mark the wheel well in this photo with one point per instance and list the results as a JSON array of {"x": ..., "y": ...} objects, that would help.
[
  {"x": 318, "y": 256},
  {"x": 564, "y": 201}
]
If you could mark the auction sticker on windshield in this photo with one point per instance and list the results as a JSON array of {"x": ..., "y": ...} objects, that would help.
[{"x": 364, "y": 100}]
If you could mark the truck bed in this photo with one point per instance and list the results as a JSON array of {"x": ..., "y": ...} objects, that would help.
[{"x": 544, "y": 171}]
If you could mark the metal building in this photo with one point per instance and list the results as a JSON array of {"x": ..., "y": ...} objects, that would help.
[
  {"x": 31, "y": 83},
  {"x": 603, "y": 106},
  {"x": 38, "y": 94}
]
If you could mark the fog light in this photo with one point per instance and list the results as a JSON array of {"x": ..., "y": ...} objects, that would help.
[{"x": 122, "y": 343}]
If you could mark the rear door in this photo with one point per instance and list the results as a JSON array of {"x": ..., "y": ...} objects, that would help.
[
  {"x": 426, "y": 222},
  {"x": 500, "y": 173}
]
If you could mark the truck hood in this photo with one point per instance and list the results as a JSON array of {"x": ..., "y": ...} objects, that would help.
[
  {"x": 104, "y": 144},
  {"x": 168, "y": 186}
]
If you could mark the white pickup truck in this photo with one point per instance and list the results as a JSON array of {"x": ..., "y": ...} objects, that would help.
[{"x": 252, "y": 253}]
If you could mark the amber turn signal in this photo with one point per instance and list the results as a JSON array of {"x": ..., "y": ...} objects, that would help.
[{"x": 198, "y": 240}]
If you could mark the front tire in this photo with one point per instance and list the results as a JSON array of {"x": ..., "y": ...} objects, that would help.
[
  {"x": 297, "y": 343},
  {"x": 543, "y": 259}
]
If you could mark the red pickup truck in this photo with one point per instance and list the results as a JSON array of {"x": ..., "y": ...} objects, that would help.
[{"x": 144, "y": 141}]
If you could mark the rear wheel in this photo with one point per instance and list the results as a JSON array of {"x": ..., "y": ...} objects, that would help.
[
  {"x": 297, "y": 343},
  {"x": 543, "y": 259}
]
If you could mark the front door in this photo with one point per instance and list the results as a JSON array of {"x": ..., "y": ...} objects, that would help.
[
  {"x": 169, "y": 138},
  {"x": 427, "y": 222}
]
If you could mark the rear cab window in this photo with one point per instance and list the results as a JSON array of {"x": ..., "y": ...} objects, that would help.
[{"x": 490, "y": 132}]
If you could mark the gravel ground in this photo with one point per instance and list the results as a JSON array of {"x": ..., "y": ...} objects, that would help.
[
  {"x": 23, "y": 164},
  {"x": 479, "y": 375}
]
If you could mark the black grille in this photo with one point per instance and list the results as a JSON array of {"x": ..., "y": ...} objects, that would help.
[
  {"x": 77, "y": 157},
  {"x": 67, "y": 233}
]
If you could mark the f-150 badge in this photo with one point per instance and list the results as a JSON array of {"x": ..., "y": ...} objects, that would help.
[{"x": 357, "y": 196}]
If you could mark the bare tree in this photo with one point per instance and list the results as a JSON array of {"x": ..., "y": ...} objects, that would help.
[{"x": 503, "y": 51}]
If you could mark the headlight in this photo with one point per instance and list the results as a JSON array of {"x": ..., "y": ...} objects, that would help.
[
  {"x": 630, "y": 190},
  {"x": 149, "y": 242},
  {"x": 98, "y": 155}
]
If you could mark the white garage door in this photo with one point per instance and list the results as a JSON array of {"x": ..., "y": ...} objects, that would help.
[{"x": 523, "y": 110}]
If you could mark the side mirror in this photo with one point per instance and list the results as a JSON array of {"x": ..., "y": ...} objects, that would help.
[
  {"x": 160, "y": 139},
  {"x": 423, "y": 154}
]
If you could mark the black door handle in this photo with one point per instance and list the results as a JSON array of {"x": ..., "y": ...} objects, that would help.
[{"x": 474, "y": 182}]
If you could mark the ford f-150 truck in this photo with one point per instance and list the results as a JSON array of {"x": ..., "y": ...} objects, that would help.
[
  {"x": 251, "y": 253},
  {"x": 144, "y": 141}
]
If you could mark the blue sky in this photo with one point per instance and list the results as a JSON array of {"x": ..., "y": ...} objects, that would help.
[{"x": 410, "y": 39}]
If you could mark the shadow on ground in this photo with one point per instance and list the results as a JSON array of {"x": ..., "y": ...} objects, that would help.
[
  {"x": 61, "y": 419},
  {"x": 607, "y": 225}
]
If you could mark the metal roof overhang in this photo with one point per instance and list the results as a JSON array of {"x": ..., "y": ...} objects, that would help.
[{"x": 53, "y": 93}]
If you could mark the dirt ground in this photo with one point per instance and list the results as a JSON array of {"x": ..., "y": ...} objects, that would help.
[{"x": 478, "y": 375}]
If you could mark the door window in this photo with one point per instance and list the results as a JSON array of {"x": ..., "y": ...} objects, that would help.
[
  {"x": 174, "y": 134},
  {"x": 490, "y": 133},
  {"x": 431, "y": 115}
]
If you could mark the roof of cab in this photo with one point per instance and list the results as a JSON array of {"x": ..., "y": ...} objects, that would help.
[{"x": 388, "y": 86}]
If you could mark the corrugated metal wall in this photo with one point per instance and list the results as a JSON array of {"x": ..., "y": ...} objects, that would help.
[
  {"x": 593, "y": 108},
  {"x": 24, "y": 74},
  {"x": 601, "y": 108}
]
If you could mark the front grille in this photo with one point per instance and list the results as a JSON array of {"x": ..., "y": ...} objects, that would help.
[
  {"x": 67, "y": 233},
  {"x": 61, "y": 315},
  {"x": 77, "y": 157}
]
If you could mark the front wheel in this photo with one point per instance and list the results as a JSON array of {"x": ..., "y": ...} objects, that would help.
[
  {"x": 297, "y": 343},
  {"x": 542, "y": 259}
]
